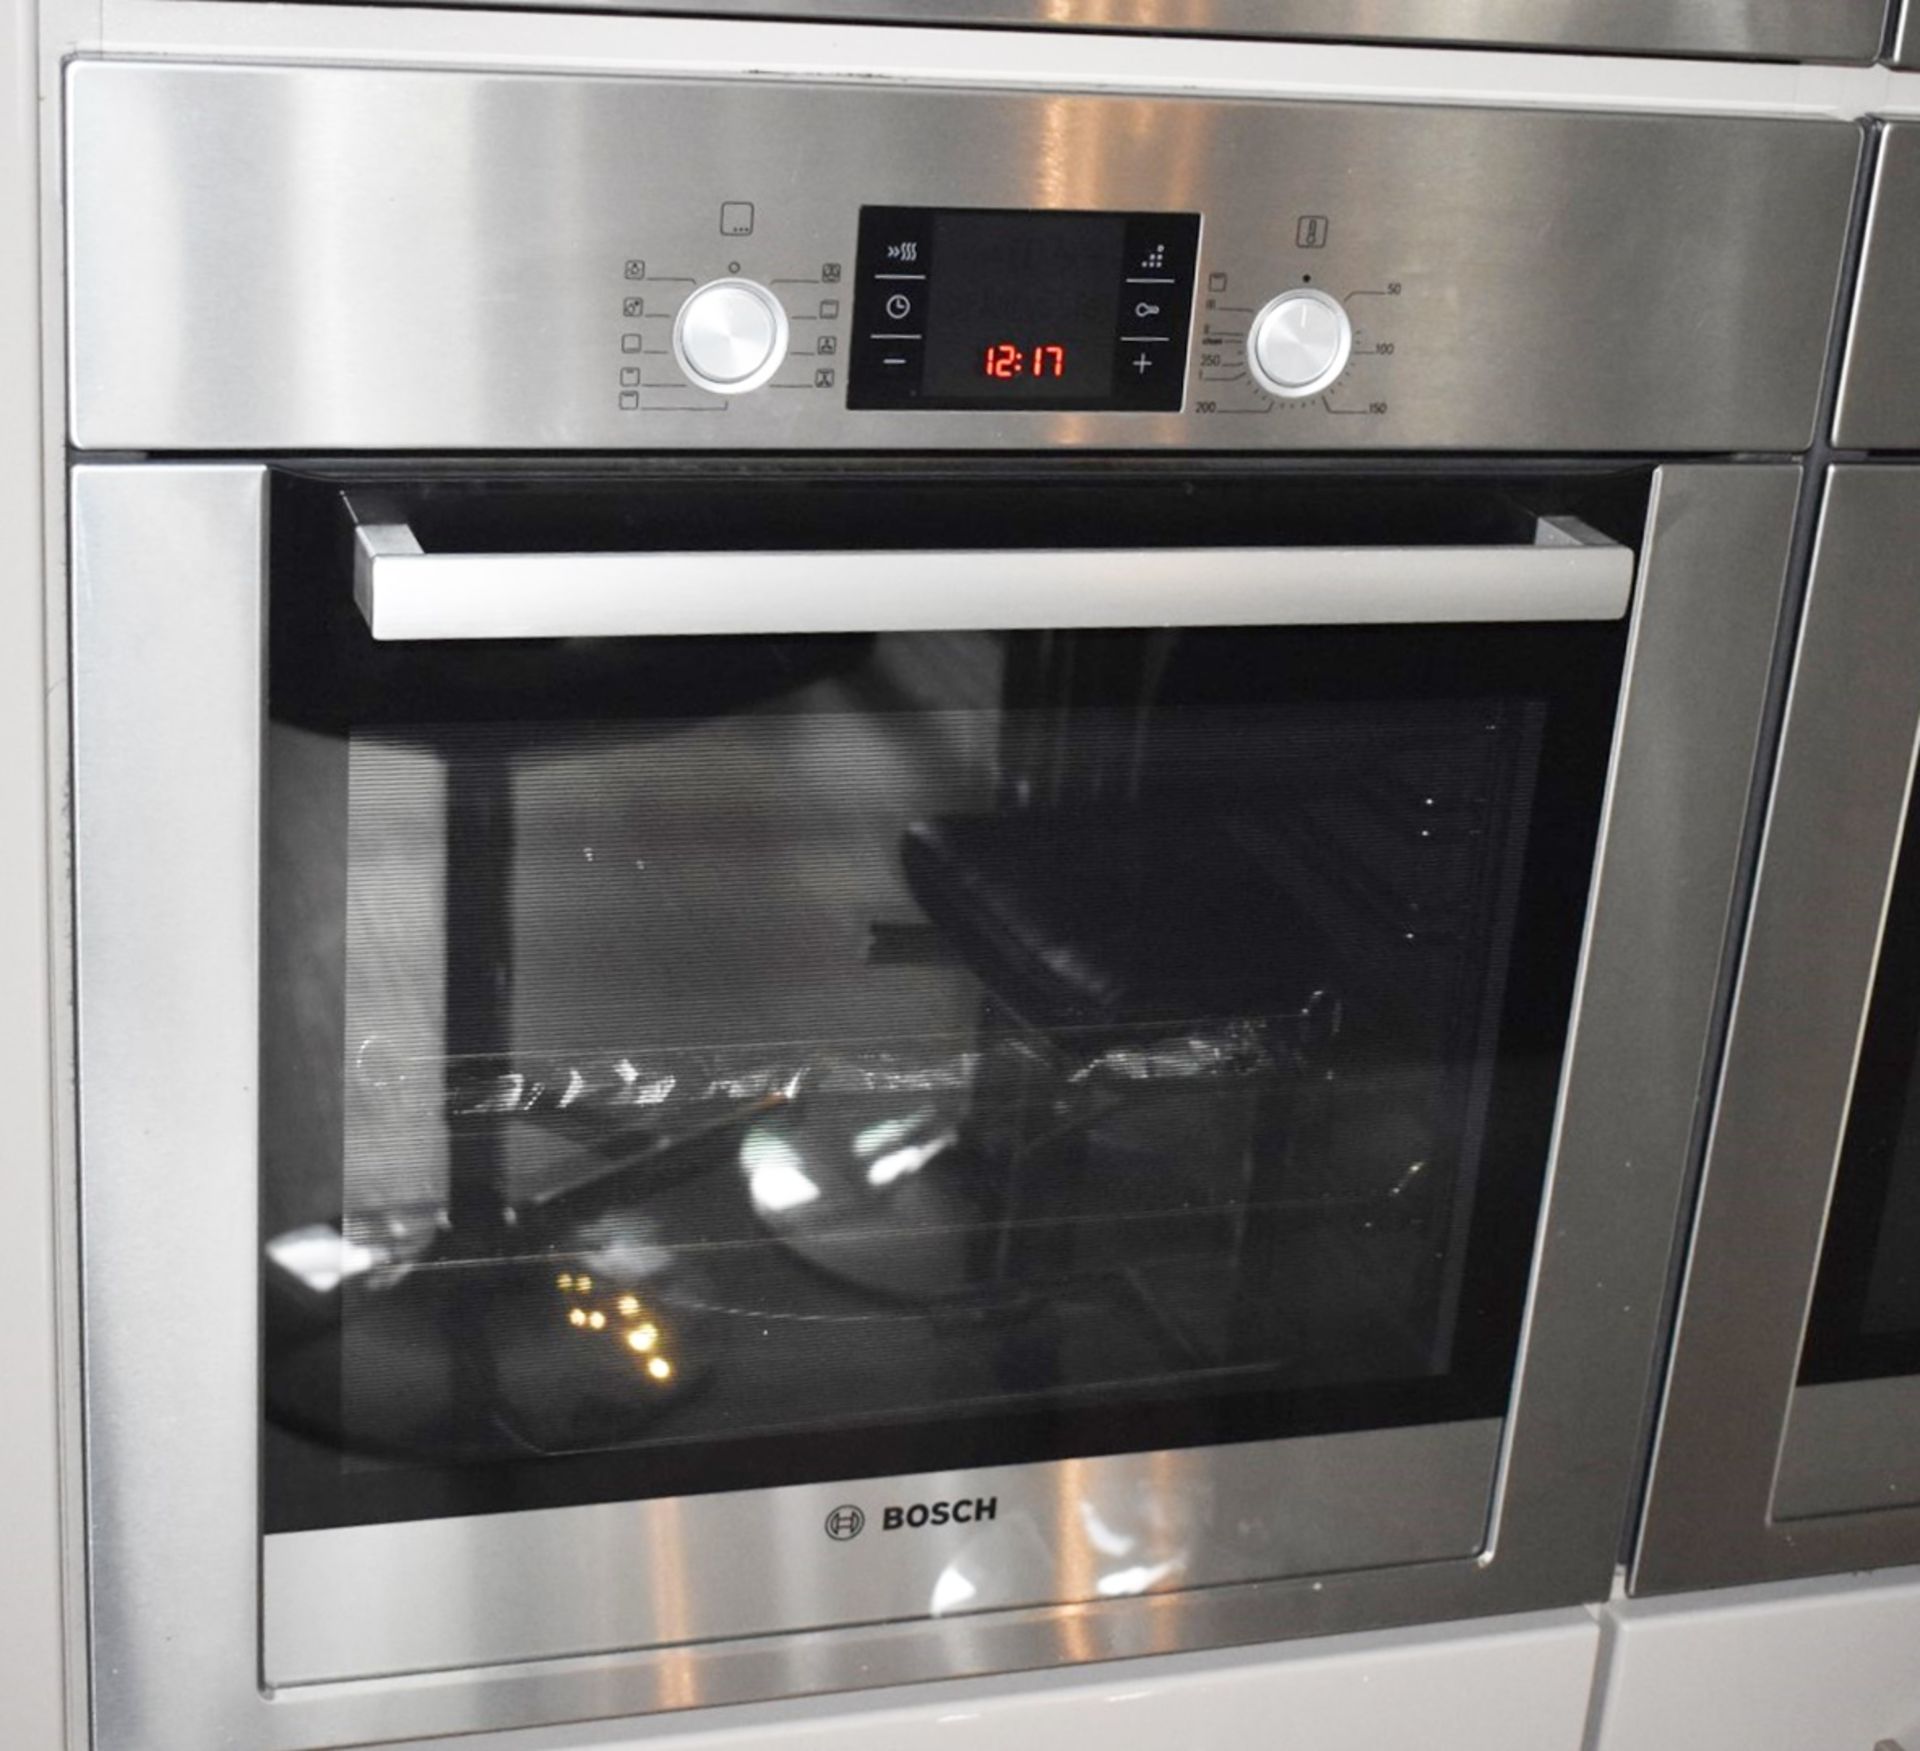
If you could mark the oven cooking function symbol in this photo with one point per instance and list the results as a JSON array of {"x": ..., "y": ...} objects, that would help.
[
  {"x": 1311, "y": 232},
  {"x": 736, "y": 218},
  {"x": 636, "y": 269},
  {"x": 899, "y": 306}
]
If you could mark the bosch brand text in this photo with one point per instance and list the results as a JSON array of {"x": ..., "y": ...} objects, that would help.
[{"x": 960, "y": 1513}]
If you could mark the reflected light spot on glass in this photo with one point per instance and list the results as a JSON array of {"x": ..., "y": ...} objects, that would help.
[
  {"x": 643, "y": 1338},
  {"x": 889, "y": 1132},
  {"x": 1406, "y": 1179},
  {"x": 564, "y": 1280},
  {"x": 583, "y": 1284},
  {"x": 597, "y": 1320},
  {"x": 320, "y": 1257},
  {"x": 911, "y": 1159},
  {"x": 660, "y": 1368},
  {"x": 577, "y": 1317},
  {"x": 775, "y": 1179},
  {"x": 629, "y": 1305}
]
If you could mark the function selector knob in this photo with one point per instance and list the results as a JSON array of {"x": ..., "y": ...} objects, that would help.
[
  {"x": 730, "y": 336},
  {"x": 1299, "y": 343}
]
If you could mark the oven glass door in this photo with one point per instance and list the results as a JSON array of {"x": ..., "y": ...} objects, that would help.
[
  {"x": 1034, "y": 1022},
  {"x": 1854, "y": 1435}
]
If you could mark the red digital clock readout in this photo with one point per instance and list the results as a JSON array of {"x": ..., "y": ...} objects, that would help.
[{"x": 1006, "y": 361}]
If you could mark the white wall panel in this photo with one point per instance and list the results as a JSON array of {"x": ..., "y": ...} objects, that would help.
[
  {"x": 31, "y": 1664},
  {"x": 1806, "y": 1666}
]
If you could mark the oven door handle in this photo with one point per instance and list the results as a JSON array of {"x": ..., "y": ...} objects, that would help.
[{"x": 1568, "y": 572}]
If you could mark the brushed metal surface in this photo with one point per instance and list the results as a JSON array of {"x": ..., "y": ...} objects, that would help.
[
  {"x": 1787, "y": 30},
  {"x": 331, "y": 257},
  {"x": 404, "y": 593},
  {"x": 1880, "y": 391},
  {"x": 432, "y": 1594},
  {"x": 1839, "y": 796},
  {"x": 1850, "y": 1445},
  {"x": 168, "y": 573},
  {"x": 1517, "y": 1683}
]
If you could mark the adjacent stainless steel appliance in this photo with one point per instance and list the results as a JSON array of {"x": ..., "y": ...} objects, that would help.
[
  {"x": 895, "y": 882},
  {"x": 1790, "y": 1441},
  {"x": 1905, "y": 47},
  {"x": 1779, "y": 30}
]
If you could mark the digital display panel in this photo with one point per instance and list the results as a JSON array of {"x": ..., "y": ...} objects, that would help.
[
  {"x": 983, "y": 308},
  {"x": 1024, "y": 308}
]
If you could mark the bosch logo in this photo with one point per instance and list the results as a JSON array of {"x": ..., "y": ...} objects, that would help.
[
  {"x": 918, "y": 1514},
  {"x": 847, "y": 1521},
  {"x": 844, "y": 1523}
]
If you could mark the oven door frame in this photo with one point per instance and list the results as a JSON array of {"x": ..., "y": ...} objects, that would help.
[
  {"x": 1831, "y": 848},
  {"x": 169, "y": 674}
]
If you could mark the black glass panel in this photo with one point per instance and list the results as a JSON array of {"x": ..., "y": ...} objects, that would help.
[
  {"x": 708, "y": 1063},
  {"x": 1866, "y": 1312}
]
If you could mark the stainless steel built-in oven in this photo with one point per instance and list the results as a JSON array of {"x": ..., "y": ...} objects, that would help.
[
  {"x": 940, "y": 895},
  {"x": 1790, "y": 1441}
]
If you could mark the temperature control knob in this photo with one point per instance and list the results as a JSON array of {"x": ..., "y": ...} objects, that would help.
[
  {"x": 1299, "y": 343},
  {"x": 730, "y": 336}
]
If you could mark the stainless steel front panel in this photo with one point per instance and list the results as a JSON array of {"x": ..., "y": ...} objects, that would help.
[
  {"x": 168, "y": 566},
  {"x": 1880, "y": 393},
  {"x": 1833, "y": 832},
  {"x": 1788, "y": 30},
  {"x": 374, "y": 1599},
  {"x": 356, "y": 259}
]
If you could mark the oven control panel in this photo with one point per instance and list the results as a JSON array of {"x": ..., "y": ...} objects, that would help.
[
  {"x": 900, "y": 268},
  {"x": 997, "y": 311}
]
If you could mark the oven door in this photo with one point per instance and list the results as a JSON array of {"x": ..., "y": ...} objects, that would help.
[
  {"x": 1791, "y": 1436},
  {"x": 680, "y": 1057}
]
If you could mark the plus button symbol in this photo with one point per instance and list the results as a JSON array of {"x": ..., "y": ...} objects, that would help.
[{"x": 1143, "y": 364}]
